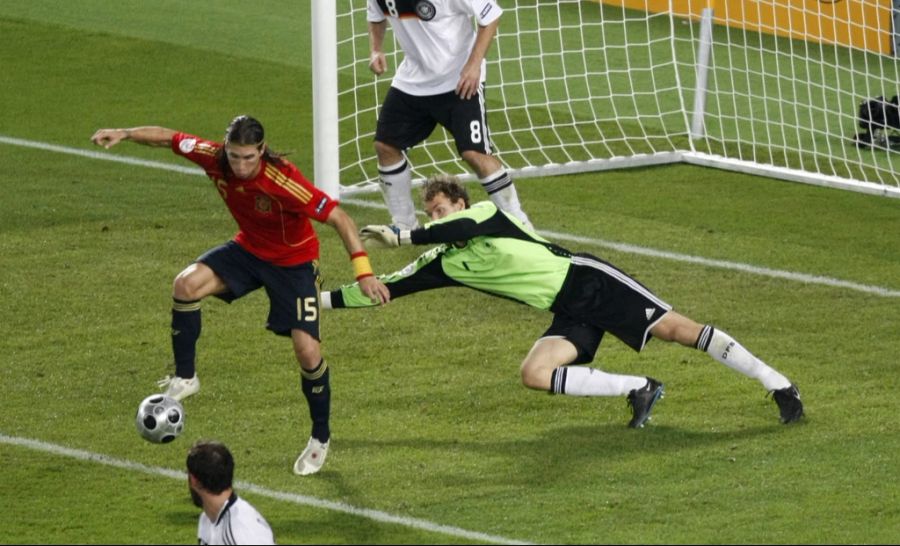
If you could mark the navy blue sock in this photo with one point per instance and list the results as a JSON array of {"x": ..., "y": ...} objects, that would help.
[
  {"x": 317, "y": 390},
  {"x": 185, "y": 332}
]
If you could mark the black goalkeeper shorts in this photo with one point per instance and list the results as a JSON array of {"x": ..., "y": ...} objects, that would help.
[{"x": 598, "y": 297}]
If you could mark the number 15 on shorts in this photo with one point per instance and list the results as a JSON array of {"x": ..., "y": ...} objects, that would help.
[{"x": 307, "y": 309}]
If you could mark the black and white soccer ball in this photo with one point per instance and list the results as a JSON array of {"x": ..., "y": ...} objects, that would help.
[{"x": 159, "y": 419}]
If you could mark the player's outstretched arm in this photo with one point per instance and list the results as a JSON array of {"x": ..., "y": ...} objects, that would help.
[
  {"x": 346, "y": 228},
  {"x": 148, "y": 136},
  {"x": 384, "y": 236}
]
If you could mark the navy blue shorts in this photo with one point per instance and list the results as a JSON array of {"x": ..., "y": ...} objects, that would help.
[
  {"x": 293, "y": 291},
  {"x": 406, "y": 120}
]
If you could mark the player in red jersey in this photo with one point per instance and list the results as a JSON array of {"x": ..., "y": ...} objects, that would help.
[{"x": 276, "y": 247}]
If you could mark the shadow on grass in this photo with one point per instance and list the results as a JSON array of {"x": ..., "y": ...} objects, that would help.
[{"x": 610, "y": 441}]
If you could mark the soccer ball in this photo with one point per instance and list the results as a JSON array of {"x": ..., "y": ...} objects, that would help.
[{"x": 159, "y": 419}]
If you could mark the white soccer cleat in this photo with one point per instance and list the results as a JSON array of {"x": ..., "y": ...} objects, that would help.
[
  {"x": 312, "y": 458},
  {"x": 178, "y": 387}
]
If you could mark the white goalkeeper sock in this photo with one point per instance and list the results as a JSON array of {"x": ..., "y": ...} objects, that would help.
[
  {"x": 502, "y": 192},
  {"x": 584, "y": 381},
  {"x": 396, "y": 186},
  {"x": 726, "y": 350}
]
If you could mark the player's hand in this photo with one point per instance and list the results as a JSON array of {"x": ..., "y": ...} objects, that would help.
[
  {"x": 109, "y": 137},
  {"x": 469, "y": 81},
  {"x": 375, "y": 289},
  {"x": 380, "y": 236},
  {"x": 377, "y": 63}
]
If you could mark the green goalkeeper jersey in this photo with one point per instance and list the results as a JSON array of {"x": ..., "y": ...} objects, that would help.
[{"x": 482, "y": 248}]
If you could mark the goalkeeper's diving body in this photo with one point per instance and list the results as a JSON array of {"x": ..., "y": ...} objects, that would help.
[{"x": 484, "y": 248}]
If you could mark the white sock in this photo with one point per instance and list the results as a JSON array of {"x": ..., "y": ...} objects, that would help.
[
  {"x": 502, "y": 192},
  {"x": 726, "y": 350},
  {"x": 396, "y": 186},
  {"x": 584, "y": 381}
]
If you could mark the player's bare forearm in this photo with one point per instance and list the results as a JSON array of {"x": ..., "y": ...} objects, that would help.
[
  {"x": 146, "y": 135},
  {"x": 377, "y": 60},
  {"x": 373, "y": 288},
  {"x": 483, "y": 39},
  {"x": 470, "y": 77},
  {"x": 346, "y": 229}
]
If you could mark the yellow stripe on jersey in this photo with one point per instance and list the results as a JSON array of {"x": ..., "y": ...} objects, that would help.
[
  {"x": 295, "y": 189},
  {"x": 203, "y": 148}
]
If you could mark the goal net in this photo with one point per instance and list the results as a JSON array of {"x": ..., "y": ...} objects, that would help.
[{"x": 771, "y": 88}]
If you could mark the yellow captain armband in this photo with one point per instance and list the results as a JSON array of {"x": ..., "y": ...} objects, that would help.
[{"x": 361, "y": 266}]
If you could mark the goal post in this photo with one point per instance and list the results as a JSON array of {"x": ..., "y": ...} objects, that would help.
[
  {"x": 326, "y": 136},
  {"x": 768, "y": 88}
]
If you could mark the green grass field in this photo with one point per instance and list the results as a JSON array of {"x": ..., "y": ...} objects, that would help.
[{"x": 434, "y": 438}]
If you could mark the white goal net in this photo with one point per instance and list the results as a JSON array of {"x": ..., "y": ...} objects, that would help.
[{"x": 771, "y": 88}]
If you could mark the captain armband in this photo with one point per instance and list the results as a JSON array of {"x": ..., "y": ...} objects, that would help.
[{"x": 361, "y": 266}]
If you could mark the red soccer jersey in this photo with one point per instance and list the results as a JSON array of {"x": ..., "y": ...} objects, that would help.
[{"x": 272, "y": 210}]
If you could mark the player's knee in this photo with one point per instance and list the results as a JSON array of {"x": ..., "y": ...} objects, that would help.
[
  {"x": 186, "y": 287},
  {"x": 535, "y": 376},
  {"x": 483, "y": 164},
  {"x": 308, "y": 357},
  {"x": 471, "y": 155},
  {"x": 387, "y": 154},
  {"x": 678, "y": 328}
]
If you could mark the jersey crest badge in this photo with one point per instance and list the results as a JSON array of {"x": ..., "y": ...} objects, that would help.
[
  {"x": 425, "y": 10},
  {"x": 263, "y": 204}
]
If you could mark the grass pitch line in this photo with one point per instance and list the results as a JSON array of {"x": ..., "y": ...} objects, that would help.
[
  {"x": 621, "y": 247},
  {"x": 723, "y": 264},
  {"x": 377, "y": 515},
  {"x": 106, "y": 156}
]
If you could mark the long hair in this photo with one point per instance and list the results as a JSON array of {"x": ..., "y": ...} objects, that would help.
[{"x": 245, "y": 130}]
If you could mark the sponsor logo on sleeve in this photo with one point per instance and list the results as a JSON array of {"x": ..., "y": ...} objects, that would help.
[
  {"x": 321, "y": 206},
  {"x": 187, "y": 145}
]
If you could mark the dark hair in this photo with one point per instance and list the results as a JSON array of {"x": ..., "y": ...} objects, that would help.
[
  {"x": 245, "y": 130},
  {"x": 448, "y": 185},
  {"x": 212, "y": 464}
]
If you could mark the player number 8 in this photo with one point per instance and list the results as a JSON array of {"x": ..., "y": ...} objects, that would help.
[
  {"x": 392, "y": 7},
  {"x": 475, "y": 126}
]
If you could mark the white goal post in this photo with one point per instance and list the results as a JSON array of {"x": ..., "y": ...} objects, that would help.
[{"x": 764, "y": 87}]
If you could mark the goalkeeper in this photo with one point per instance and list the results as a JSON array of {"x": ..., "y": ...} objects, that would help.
[{"x": 484, "y": 248}]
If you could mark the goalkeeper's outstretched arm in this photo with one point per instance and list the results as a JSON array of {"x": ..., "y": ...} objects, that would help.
[
  {"x": 481, "y": 219},
  {"x": 425, "y": 273}
]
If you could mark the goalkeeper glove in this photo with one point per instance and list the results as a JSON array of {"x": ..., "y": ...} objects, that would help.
[{"x": 383, "y": 236}]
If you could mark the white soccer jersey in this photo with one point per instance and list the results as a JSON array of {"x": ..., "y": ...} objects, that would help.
[
  {"x": 436, "y": 37},
  {"x": 238, "y": 523}
]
